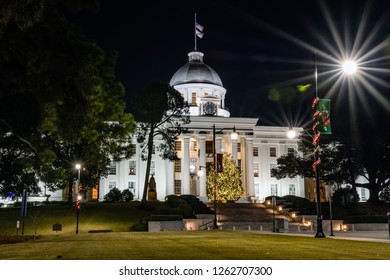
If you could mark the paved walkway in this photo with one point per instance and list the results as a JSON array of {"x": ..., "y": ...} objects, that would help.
[{"x": 373, "y": 236}]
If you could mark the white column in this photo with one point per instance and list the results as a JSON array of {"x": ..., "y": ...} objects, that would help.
[
  {"x": 202, "y": 162},
  {"x": 249, "y": 170},
  {"x": 234, "y": 151},
  {"x": 218, "y": 144},
  {"x": 185, "y": 169},
  {"x": 170, "y": 177}
]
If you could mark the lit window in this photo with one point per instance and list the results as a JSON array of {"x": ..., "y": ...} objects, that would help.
[
  {"x": 132, "y": 167},
  {"x": 256, "y": 170},
  {"x": 193, "y": 100},
  {"x": 193, "y": 146}
]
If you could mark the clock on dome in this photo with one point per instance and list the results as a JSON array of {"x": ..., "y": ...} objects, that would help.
[{"x": 209, "y": 108}]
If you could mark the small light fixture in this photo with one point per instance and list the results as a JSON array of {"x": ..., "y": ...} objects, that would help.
[
  {"x": 234, "y": 134},
  {"x": 200, "y": 171}
]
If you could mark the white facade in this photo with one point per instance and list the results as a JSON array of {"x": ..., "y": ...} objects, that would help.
[{"x": 255, "y": 151}]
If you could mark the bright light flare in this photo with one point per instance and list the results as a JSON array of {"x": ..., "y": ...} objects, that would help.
[
  {"x": 291, "y": 134},
  {"x": 349, "y": 67}
]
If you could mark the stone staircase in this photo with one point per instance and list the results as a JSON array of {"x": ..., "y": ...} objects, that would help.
[{"x": 244, "y": 216}]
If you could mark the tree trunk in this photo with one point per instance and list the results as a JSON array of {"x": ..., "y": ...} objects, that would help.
[
  {"x": 148, "y": 163},
  {"x": 70, "y": 190}
]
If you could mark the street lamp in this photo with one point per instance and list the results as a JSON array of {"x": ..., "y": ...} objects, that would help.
[
  {"x": 78, "y": 197},
  {"x": 76, "y": 189},
  {"x": 330, "y": 211}
]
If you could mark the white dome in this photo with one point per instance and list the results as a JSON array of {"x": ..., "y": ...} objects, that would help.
[{"x": 195, "y": 71}]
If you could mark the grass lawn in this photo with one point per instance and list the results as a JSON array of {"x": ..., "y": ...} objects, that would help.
[
  {"x": 192, "y": 245},
  {"x": 117, "y": 217}
]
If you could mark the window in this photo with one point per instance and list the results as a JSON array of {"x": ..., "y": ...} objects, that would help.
[
  {"x": 193, "y": 146},
  {"x": 111, "y": 185},
  {"x": 209, "y": 147},
  {"x": 363, "y": 194},
  {"x": 133, "y": 149},
  {"x": 256, "y": 170},
  {"x": 290, "y": 151},
  {"x": 132, "y": 187},
  {"x": 238, "y": 147},
  {"x": 152, "y": 167},
  {"x": 274, "y": 189},
  {"x": 132, "y": 168},
  {"x": 255, "y": 151},
  {"x": 153, "y": 149},
  {"x": 272, "y": 166},
  {"x": 112, "y": 168},
  {"x": 177, "y": 188},
  {"x": 178, "y": 165},
  {"x": 239, "y": 164},
  {"x": 257, "y": 190},
  {"x": 272, "y": 152},
  {"x": 193, "y": 99},
  {"x": 178, "y": 145},
  {"x": 291, "y": 189}
]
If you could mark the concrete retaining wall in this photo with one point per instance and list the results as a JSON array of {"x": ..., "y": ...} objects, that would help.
[{"x": 154, "y": 226}]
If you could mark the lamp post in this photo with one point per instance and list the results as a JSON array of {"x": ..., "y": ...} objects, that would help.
[
  {"x": 233, "y": 136},
  {"x": 320, "y": 233},
  {"x": 330, "y": 211},
  {"x": 388, "y": 221},
  {"x": 78, "y": 197},
  {"x": 273, "y": 213}
]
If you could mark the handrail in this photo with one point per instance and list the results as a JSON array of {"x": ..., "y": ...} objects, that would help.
[{"x": 206, "y": 224}]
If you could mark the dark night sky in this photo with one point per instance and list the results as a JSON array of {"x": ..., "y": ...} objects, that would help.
[{"x": 248, "y": 43}]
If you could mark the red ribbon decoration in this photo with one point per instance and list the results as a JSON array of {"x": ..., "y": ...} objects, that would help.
[{"x": 317, "y": 162}]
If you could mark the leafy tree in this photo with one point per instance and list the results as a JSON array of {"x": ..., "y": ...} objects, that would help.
[
  {"x": 372, "y": 163},
  {"x": 228, "y": 182},
  {"x": 161, "y": 112},
  {"x": 60, "y": 102}
]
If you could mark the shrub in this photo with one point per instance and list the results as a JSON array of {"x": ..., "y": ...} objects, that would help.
[
  {"x": 114, "y": 195},
  {"x": 166, "y": 218},
  {"x": 127, "y": 195}
]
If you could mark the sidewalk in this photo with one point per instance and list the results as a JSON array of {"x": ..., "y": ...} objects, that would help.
[{"x": 371, "y": 236}]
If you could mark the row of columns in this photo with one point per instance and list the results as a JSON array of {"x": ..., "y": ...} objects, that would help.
[{"x": 248, "y": 180}]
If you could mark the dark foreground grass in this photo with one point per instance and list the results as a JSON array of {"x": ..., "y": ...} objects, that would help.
[{"x": 199, "y": 245}]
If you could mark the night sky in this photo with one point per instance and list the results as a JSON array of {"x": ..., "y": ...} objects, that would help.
[{"x": 262, "y": 50}]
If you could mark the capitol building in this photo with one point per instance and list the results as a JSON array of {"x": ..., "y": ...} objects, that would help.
[{"x": 255, "y": 149}]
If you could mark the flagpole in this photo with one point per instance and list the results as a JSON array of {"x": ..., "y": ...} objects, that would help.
[{"x": 195, "y": 32}]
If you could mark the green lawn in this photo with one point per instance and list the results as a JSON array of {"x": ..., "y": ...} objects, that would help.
[
  {"x": 117, "y": 217},
  {"x": 192, "y": 245},
  {"x": 186, "y": 245}
]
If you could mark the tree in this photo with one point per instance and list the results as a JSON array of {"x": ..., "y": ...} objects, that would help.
[
  {"x": 60, "y": 102},
  {"x": 371, "y": 163},
  {"x": 160, "y": 111},
  {"x": 228, "y": 182}
]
